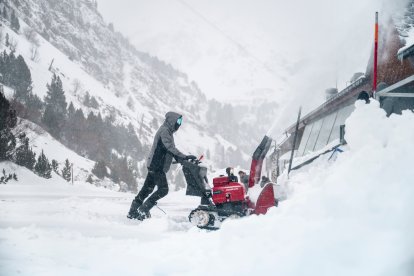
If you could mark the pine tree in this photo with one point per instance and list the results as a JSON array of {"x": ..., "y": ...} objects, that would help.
[
  {"x": 55, "y": 166},
  {"x": 68, "y": 129},
  {"x": 55, "y": 111},
  {"x": 8, "y": 68},
  {"x": 5, "y": 15},
  {"x": 87, "y": 99},
  {"x": 7, "y": 177},
  {"x": 34, "y": 106},
  {"x": 7, "y": 40},
  {"x": 24, "y": 154},
  {"x": 21, "y": 80},
  {"x": 93, "y": 102},
  {"x": 14, "y": 21},
  {"x": 43, "y": 167},
  {"x": 76, "y": 128},
  {"x": 8, "y": 120},
  {"x": 66, "y": 171},
  {"x": 17, "y": 24},
  {"x": 7, "y": 144},
  {"x": 71, "y": 111},
  {"x": 115, "y": 175},
  {"x": 100, "y": 169}
]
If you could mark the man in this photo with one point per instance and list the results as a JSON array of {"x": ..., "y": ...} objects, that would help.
[
  {"x": 230, "y": 174},
  {"x": 159, "y": 161},
  {"x": 244, "y": 178},
  {"x": 264, "y": 181}
]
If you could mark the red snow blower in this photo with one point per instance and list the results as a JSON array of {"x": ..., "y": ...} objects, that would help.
[{"x": 227, "y": 198}]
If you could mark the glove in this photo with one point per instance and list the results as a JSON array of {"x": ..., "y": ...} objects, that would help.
[{"x": 192, "y": 157}]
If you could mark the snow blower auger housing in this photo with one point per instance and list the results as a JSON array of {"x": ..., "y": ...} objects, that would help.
[{"x": 227, "y": 199}]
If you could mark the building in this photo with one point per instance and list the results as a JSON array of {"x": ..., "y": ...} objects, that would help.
[{"x": 320, "y": 130}]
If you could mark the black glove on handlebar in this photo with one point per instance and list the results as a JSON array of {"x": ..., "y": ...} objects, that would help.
[{"x": 190, "y": 157}]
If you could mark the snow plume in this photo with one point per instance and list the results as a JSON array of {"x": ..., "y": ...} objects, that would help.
[{"x": 354, "y": 216}]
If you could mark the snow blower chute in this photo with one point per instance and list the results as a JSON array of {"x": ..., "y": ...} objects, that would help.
[{"x": 227, "y": 198}]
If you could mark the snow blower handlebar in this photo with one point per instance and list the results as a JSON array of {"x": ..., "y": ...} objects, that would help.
[
  {"x": 191, "y": 160},
  {"x": 257, "y": 160},
  {"x": 196, "y": 178}
]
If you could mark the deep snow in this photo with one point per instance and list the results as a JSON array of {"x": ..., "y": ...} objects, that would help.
[{"x": 349, "y": 216}]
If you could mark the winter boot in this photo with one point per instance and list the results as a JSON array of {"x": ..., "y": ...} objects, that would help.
[
  {"x": 143, "y": 210},
  {"x": 133, "y": 211},
  {"x": 139, "y": 214}
]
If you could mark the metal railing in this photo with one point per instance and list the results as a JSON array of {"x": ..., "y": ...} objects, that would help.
[{"x": 359, "y": 82}]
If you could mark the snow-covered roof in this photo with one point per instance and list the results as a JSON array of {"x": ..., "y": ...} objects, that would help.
[
  {"x": 402, "y": 19},
  {"x": 408, "y": 49}
]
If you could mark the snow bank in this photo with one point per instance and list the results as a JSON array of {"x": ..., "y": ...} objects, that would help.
[{"x": 354, "y": 216}]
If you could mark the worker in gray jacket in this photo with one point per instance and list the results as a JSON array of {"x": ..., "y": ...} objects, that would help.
[
  {"x": 244, "y": 178},
  {"x": 159, "y": 161}
]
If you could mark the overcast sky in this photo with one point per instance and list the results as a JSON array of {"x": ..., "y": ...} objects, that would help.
[{"x": 300, "y": 47}]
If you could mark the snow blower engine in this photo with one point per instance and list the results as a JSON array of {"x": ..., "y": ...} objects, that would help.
[{"x": 227, "y": 198}]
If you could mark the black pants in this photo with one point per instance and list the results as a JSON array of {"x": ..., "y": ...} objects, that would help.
[{"x": 153, "y": 179}]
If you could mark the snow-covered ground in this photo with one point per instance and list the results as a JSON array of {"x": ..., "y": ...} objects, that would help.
[{"x": 349, "y": 216}]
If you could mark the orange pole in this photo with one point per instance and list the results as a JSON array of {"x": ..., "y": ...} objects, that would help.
[{"x": 375, "y": 79}]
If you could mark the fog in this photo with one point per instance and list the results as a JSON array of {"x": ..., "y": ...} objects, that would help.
[{"x": 295, "y": 49}]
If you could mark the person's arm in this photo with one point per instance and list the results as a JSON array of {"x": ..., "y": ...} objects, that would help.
[{"x": 168, "y": 141}]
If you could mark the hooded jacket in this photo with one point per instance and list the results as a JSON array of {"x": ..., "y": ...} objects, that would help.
[{"x": 163, "y": 148}]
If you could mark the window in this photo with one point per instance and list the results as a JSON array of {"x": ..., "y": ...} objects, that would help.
[
  {"x": 322, "y": 132},
  {"x": 325, "y": 131},
  {"x": 343, "y": 114},
  {"x": 313, "y": 137},
  {"x": 304, "y": 140}
]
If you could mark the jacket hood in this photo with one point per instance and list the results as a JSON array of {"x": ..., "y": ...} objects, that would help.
[{"x": 170, "y": 120}]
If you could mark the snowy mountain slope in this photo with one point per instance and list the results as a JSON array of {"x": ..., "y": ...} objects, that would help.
[
  {"x": 337, "y": 220},
  {"x": 219, "y": 44},
  {"x": 40, "y": 140},
  {"x": 152, "y": 86},
  {"x": 53, "y": 149},
  {"x": 78, "y": 30},
  {"x": 70, "y": 73}
]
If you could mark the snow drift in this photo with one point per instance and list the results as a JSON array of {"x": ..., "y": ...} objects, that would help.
[{"x": 351, "y": 216}]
